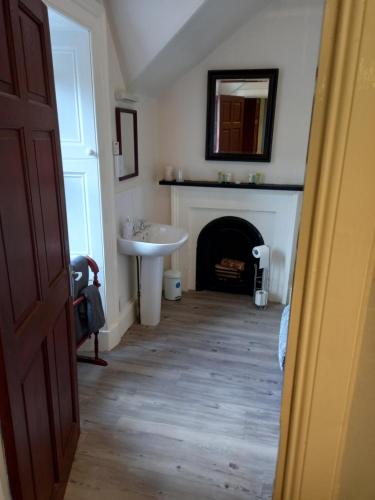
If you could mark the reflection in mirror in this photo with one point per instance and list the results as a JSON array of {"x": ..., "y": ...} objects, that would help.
[
  {"x": 126, "y": 125},
  {"x": 240, "y": 114}
]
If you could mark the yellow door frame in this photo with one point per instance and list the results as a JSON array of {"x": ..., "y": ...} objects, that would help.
[{"x": 334, "y": 260}]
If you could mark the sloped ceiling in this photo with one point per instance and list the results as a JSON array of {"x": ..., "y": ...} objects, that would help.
[{"x": 159, "y": 40}]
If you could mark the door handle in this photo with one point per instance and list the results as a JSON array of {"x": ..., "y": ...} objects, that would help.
[{"x": 92, "y": 152}]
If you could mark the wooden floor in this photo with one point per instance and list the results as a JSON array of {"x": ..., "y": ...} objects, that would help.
[{"x": 187, "y": 410}]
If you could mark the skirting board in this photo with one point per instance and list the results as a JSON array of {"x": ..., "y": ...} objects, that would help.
[{"x": 109, "y": 338}]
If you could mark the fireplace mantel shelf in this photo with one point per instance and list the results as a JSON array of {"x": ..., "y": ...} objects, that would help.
[{"x": 231, "y": 185}]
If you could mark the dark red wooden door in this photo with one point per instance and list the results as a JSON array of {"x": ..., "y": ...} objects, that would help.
[
  {"x": 231, "y": 124},
  {"x": 251, "y": 125},
  {"x": 38, "y": 394}
]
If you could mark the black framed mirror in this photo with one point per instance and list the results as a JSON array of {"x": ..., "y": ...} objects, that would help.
[
  {"x": 240, "y": 114},
  {"x": 127, "y": 137}
]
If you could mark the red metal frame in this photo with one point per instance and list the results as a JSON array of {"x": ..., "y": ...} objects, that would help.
[{"x": 96, "y": 360}]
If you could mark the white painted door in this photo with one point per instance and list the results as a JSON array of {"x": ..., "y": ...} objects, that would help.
[{"x": 72, "y": 63}]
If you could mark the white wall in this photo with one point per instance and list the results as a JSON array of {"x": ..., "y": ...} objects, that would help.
[
  {"x": 136, "y": 197},
  {"x": 144, "y": 27},
  {"x": 281, "y": 35},
  {"x": 172, "y": 129}
]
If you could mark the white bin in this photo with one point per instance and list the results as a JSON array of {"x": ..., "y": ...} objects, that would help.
[{"x": 172, "y": 285}]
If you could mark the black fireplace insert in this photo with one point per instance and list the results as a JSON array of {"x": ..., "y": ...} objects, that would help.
[{"x": 224, "y": 255}]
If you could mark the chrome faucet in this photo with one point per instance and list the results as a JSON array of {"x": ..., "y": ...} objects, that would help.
[{"x": 139, "y": 226}]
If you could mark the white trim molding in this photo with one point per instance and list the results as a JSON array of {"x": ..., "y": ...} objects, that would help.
[
  {"x": 274, "y": 213},
  {"x": 110, "y": 337}
]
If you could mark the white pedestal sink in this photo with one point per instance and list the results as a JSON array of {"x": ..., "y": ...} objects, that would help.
[{"x": 152, "y": 244}]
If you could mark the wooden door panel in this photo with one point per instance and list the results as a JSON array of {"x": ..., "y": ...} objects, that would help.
[
  {"x": 45, "y": 164},
  {"x": 38, "y": 414},
  {"x": 6, "y": 70},
  {"x": 17, "y": 230},
  {"x": 235, "y": 140},
  {"x": 38, "y": 398},
  {"x": 225, "y": 140},
  {"x": 225, "y": 108},
  {"x": 64, "y": 378},
  {"x": 34, "y": 59},
  {"x": 231, "y": 123},
  {"x": 236, "y": 112},
  {"x": 29, "y": 337}
]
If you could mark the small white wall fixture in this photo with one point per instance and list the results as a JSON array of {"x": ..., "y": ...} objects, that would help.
[{"x": 274, "y": 213}]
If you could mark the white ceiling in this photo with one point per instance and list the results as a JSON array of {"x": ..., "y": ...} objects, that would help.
[
  {"x": 159, "y": 40},
  {"x": 142, "y": 28},
  {"x": 245, "y": 88}
]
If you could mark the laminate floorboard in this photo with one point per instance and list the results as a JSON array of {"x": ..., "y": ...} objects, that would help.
[{"x": 187, "y": 410}]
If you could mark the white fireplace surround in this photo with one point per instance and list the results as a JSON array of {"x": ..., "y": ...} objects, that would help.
[{"x": 274, "y": 213}]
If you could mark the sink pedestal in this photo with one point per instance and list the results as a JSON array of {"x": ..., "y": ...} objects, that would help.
[
  {"x": 151, "y": 288},
  {"x": 151, "y": 244}
]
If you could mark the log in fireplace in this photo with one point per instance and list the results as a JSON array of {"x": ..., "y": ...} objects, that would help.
[{"x": 224, "y": 259}]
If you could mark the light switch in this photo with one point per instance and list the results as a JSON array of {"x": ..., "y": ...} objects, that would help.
[{"x": 115, "y": 148}]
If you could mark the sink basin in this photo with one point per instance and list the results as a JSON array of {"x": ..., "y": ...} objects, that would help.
[
  {"x": 156, "y": 240},
  {"x": 152, "y": 244}
]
